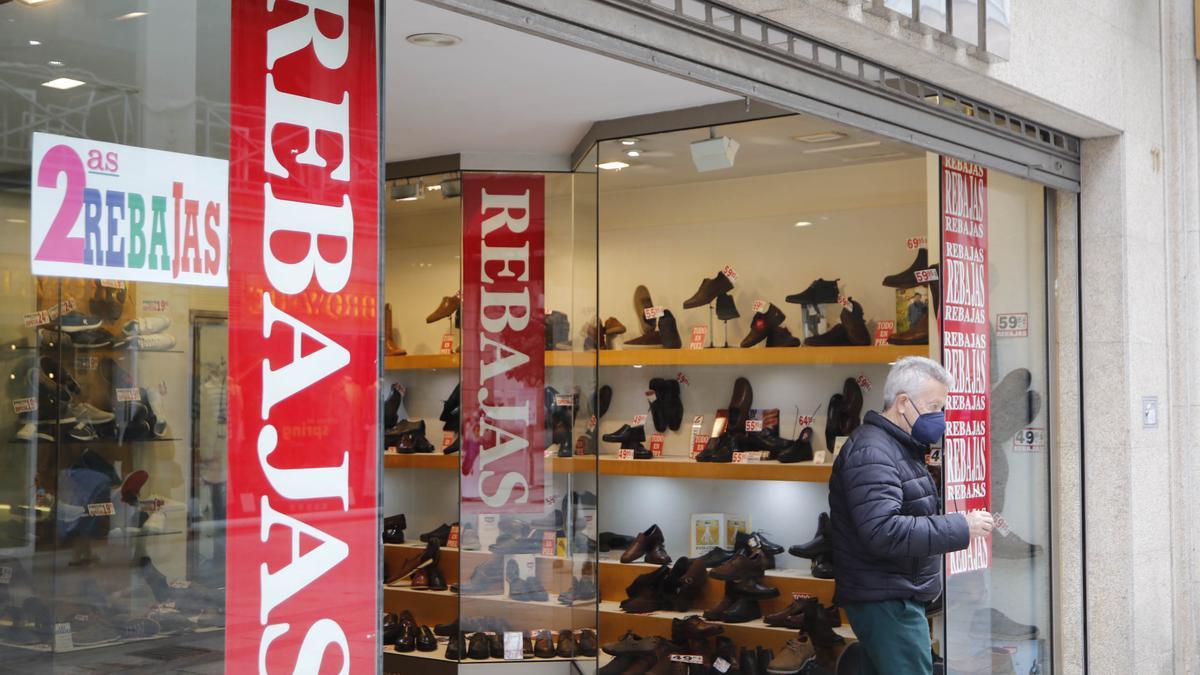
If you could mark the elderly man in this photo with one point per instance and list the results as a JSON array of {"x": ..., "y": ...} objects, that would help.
[{"x": 885, "y": 529}]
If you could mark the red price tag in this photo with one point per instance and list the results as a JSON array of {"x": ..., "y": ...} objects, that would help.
[
  {"x": 447, "y": 439},
  {"x": 729, "y": 274},
  {"x": 549, "y": 545},
  {"x": 36, "y": 319},
  {"x": 843, "y": 300},
  {"x": 759, "y": 306},
  {"x": 656, "y": 444},
  {"x": 805, "y": 420},
  {"x": 741, "y": 458},
  {"x": 653, "y": 312},
  {"x": 699, "y": 335},
  {"x": 639, "y": 420},
  {"x": 452, "y": 540},
  {"x": 698, "y": 444},
  {"x": 926, "y": 276},
  {"x": 564, "y": 400},
  {"x": 102, "y": 509},
  {"x": 128, "y": 394},
  {"x": 591, "y": 425},
  {"x": 24, "y": 405},
  {"x": 447, "y": 346},
  {"x": 915, "y": 243},
  {"x": 625, "y": 453},
  {"x": 864, "y": 382},
  {"x": 754, "y": 425},
  {"x": 682, "y": 379},
  {"x": 154, "y": 306}
]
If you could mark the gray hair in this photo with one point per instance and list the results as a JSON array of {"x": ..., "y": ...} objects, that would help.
[{"x": 910, "y": 374}]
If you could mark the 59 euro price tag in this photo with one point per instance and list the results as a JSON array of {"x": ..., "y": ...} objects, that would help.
[
  {"x": 926, "y": 276},
  {"x": 729, "y": 274}
]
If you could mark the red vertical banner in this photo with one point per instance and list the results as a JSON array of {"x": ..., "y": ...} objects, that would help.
[
  {"x": 503, "y": 343},
  {"x": 966, "y": 352},
  {"x": 302, "y": 537}
]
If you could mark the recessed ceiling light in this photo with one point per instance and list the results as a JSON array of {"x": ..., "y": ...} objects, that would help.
[
  {"x": 16, "y": 220},
  {"x": 629, "y": 141},
  {"x": 432, "y": 188},
  {"x": 433, "y": 39},
  {"x": 633, "y": 153},
  {"x": 803, "y": 223},
  {"x": 34, "y": 43},
  {"x": 55, "y": 63},
  {"x": 822, "y": 137},
  {"x": 848, "y": 146},
  {"x": 612, "y": 166},
  {"x": 35, "y": 3},
  {"x": 131, "y": 15},
  {"x": 62, "y": 83}
]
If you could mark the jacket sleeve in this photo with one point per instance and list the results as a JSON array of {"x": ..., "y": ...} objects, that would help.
[{"x": 874, "y": 497}]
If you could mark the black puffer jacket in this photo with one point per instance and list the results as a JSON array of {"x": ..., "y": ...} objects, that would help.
[{"x": 886, "y": 533}]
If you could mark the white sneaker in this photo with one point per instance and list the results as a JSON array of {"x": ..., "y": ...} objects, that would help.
[
  {"x": 30, "y": 431},
  {"x": 90, "y": 414},
  {"x": 147, "y": 325},
  {"x": 156, "y": 342}
]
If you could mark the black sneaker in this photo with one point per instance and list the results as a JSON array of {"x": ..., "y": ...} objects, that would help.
[{"x": 94, "y": 338}]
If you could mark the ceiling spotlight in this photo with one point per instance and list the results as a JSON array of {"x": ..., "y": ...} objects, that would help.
[
  {"x": 55, "y": 63},
  {"x": 451, "y": 187},
  {"x": 803, "y": 223},
  {"x": 131, "y": 15},
  {"x": 714, "y": 153},
  {"x": 433, "y": 39},
  {"x": 62, "y": 83},
  {"x": 823, "y": 137},
  {"x": 406, "y": 192},
  {"x": 433, "y": 188},
  {"x": 34, "y": 3},
  {"x": 34, "y": 43},
  {"x": 629, "y": 141},
  {"x": 612, "y": 166},
  {"x": 848, "y": 146},
  {"x": 633, "y": 153}
]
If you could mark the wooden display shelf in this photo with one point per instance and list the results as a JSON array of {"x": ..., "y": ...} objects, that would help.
[
  {"x": 682, "y": 467},
  {"x": 440, "y": 655},
  {"x": 443, "y": 606},
  {"x": 428, "y": 460},
  {"x": 420, "y": 361},
  {"x": 651, "y": 356}
]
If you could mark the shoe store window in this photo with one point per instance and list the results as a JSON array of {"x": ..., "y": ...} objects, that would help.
[
  {"x": 113, "y": 165},
  {"x": 721, "y": 318}
]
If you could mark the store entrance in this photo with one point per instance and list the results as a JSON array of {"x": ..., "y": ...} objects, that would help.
[{"x": 714, "y": 307}]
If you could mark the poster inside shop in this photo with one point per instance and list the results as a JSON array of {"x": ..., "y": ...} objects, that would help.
[
  {"x": 503, "y": 350},
  {"x": 966, "y": 457},
  {"x": 107, "y": 211}
]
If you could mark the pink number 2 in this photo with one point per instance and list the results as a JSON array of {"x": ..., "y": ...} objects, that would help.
[{"x": 58, "y": 246}]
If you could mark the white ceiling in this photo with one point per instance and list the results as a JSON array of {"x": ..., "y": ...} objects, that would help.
[{"x": 502, "y": 91}]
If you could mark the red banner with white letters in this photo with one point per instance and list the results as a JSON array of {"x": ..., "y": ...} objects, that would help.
[
  {"x": 302, "y": 537},
  {"x": 504, "y": 341},
  {"x": 966, "y": 451}
]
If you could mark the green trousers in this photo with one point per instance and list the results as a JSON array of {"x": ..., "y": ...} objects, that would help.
[{"x": 894, "y": 635}]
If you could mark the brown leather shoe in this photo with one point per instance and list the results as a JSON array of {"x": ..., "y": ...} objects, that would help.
[
  {"x": 566, "y": 644},
  {"x": 740, "y": 567},
  {"x": 717, "y": 611},
  {"x": 649, "y": 339},
  {"x": 856, "y": 324},
  {"x": 739, "y": 405},
  {"x": 390, "y": 348},
  {"x": 694, "y": 628},
  {"x": 908, "y": 278},
  {"x": 762, "y": 324},
  {"x": 647, "y": 541},
  {"x": 449, "y": 305},
  {"x": 642, "y": 302},
  {"x": 428, "y": 557},
  {"x": 791, "y": 616},
  {"x": 612, "y": 327},
  {"x": 708, "y": 291},
  {"x": 543, "y": 645}
]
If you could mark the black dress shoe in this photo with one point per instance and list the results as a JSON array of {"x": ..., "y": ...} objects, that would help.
[
  {"x": 780, "y": 336},
  {"x": 742, "y": 610},
  {"x": 454, "y": 648},
  {"x": 716, "y": 556},
  {"x": 800, "y": 449},
  {"x": 602, "y": 399},
  {"x": 449, "y": 416},
  {"x": 667, "y": 408},
  {"x": 852, "y": 404},
  {"x": 762, "y": 324},
  {"x": 453, "y": 447},
  {"x": 478, "y": 647},
  {"x": 393, "y": 529},
  {"x": 588, "y": 643},
  {"x": 668, "y": 331},
  {"x": 836, "y": 336},
  {"x": 442, "y": 532},
  {"x": 726, "y": 310},
  {"x": 426, "y": 642},
  {"x": 817, "y": 546},
  {"x": 856, "y": 324},
  {"x": 819, "y": 292},
  {"x": 750, "y": 588},
  {"x": 407, "y": 641},
  {"x": 748, "y": 543},
  {"x": 436, "y": 580},
  {"x": 626, "y": 434},
  {"x": 749, "y": 661},
  {"x": 908, "y": 278},
  {"x": 822, "y": 566},
  {"x": 740, "y": 402},
  {"x": 833, "y": 421},
  {"x": 446, "y": 629},
  {"x": 709, "y": 290},
  {"x": 496, "y": 645}
]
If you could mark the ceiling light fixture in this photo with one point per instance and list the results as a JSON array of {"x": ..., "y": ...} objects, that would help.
[
  {"x": 34, "y": 3},
  {"x": 612, "y": 166},
  {"x": 55, "y": 63},
  {"x": 433, "y": 39},
  {"x": 62, "y": 83},
  {"x": 803, "y": 223},
  {"x": 633, "y": 153},
  {"x": 629, "y": 141},
  {"x": 433, "y": 188},
  {"x": 406, "y": 192},
  {"x": 822, "y": 137},
  {"x": 131, "y": 15},
  {"x": 35, "y": 43},
  {"x": 848, "y": 146}
]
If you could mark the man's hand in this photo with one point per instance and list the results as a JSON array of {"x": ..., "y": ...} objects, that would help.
[{"x": 979, "y": 523}]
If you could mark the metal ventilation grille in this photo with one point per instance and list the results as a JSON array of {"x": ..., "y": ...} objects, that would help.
[{"x": 784, "y": 41}]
